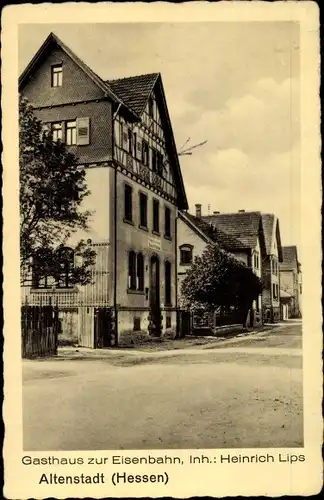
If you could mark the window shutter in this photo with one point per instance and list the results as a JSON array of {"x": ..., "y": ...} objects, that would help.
[{"x": 83, "y": 131}]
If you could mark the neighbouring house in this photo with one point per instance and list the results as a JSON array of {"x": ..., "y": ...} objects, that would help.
[
  {"x": 247, "y": 227},
  {"x": 270, "y": 269},
  {"x": 242, "y": 235},
  {"x": 193, "y": 235},
  {"x": 290, "y": 280},
  {"x": 120, "y": 131}
]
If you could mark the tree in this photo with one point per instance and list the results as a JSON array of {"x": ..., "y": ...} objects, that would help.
[
  {"x": 52, "y": 189},
  {"x": 218, "y": 279}
]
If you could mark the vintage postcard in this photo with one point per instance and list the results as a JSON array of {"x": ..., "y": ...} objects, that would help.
[{"x": 162, "y": 249}]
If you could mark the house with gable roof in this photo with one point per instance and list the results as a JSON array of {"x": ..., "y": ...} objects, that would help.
[
  {"x": 270, "y": 269},
  {"x": 196, "y": 232},
  {"x": 290, "y": 281},
  {"x": 121, "y": 133},
  {"x": 247, "y": 228}
]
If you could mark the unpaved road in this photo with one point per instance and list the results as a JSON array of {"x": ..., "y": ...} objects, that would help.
[{"x": 244, "y": 392}]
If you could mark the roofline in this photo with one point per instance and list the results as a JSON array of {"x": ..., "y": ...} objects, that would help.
[
  {"x": 82, "y": 65},
  {"x": 185, "y": 204},
  {"x": 187, "y": 221}
]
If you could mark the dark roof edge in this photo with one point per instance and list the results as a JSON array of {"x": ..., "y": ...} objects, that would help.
[{"x": 94, "y": 77}]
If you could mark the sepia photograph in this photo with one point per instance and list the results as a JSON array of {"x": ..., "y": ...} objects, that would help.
[
  {"x": 162, "y": 250},
  {"x": 161, "y": 260}
]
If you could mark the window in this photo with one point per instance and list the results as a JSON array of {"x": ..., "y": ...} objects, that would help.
[
  {"x": 57, "y": 75},
  {"x": 71, "y": 133},
  {"x": 134, "y": 145},
  {"x": 140, "y": 272},
  {"x": 40, "y": 275},
  {"x": 136, "y": 323},
  {"x": 66, "y": 264},
  {"x": 156, "y": 216},
  {"x": 128, "y": 215},
  {"x": 151, "y": 107},
  {"x": 130, "y": 141},
  {"x": 168, "y": 322},
  {"x": 143, "y": 210},
  {"x": 167, "y": 282},
  {"x": 145, "y": 153},
  {"x": 154, "y": 160},
  {"x": 167, "y": 222},
  {"x": 132, "y": 270},
  {"x": 57, "y": 131},
  {"x": 135, "y": 271},
  {"x": 275, "y": 289},
  {"x": 186, "y": 254},
  {"x": 160, "y": 163},
  {"x": 256, "y": 261}
]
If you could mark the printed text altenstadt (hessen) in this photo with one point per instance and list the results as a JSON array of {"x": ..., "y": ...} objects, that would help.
[{"x": 202, "y": 458}]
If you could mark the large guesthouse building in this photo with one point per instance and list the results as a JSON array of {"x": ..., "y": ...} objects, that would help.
[{"x": 120, "y": 131}]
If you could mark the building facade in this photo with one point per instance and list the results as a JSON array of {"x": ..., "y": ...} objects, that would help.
[
  {"x": 121, "y": 133},
  {"x": 270, "y": 269},
  {"x": 290, "y": 280},
  {"x": 247, "y": 228}
]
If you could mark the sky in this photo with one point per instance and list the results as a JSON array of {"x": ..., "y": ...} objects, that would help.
[{"x": 235, "y": 85}]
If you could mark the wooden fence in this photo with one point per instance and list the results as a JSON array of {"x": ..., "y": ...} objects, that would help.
[{"x": 39, "y": 330}]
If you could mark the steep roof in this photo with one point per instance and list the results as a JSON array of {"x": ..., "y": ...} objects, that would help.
[
  {"x": 290, "y": 258},
  {"x": 134, "y": 90},
  {"x": 215, "y": 234},
  {"x": 130, "y": 93},
  {"x": 271, "y": 229},
  {"x": 51, "y": 40},
  {"x": 245, "y": 226}
]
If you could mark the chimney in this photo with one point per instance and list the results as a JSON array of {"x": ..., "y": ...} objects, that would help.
[
  {"x": 198, "y": 210},
  {"x": 215, "y": 213},
  {"x": 241, "y": 211}
]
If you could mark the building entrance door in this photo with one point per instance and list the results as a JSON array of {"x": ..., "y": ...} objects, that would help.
[{"x": 155, "y": 307}]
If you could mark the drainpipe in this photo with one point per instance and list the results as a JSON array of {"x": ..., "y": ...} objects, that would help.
[
  {"x": 176, "y": 268},
  {"x": 115, "y": 229}
]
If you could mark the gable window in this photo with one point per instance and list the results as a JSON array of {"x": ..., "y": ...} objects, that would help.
[
  {"x": 186, "y": 254},
  {"x": 143, "y": 210},
  {"x": 151, "y": 107},
  {"x": 167, "y": 277},
  {"x": 71, "y": 133},
  {"x": 128, "y": 208},
  {"x": 156, "y": 216},
  {"x": 140, "y": 272},
  {"x": 66, "y": 263},
  {"x": 57, "y": 75},
  {"x": 145, "y": 153},
  {"x": 132, "y": 270},
  {"x": 167, "y": 222},
  {"x": 57, "y": 131}
]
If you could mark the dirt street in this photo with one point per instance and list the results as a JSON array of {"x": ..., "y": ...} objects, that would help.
[{"x": 243, "y": 392}]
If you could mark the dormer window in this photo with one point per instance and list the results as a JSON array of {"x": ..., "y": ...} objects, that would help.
[{"x": 57, "y": 75}]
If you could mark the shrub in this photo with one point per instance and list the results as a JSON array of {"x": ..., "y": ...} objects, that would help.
[
  {"x": 129, "y": 338},
  {"x": 170, "y": 333}
]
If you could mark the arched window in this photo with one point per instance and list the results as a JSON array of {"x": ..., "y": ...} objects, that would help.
[
  {"x": 65, "y": 260},
  {"x": 167, "y": 282},
  {"x": 40, "y": 268},
  {"x": 140, "y": 272},
  {"x": 132, "y": 270},
  {"x": 186, "y": 254}
]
